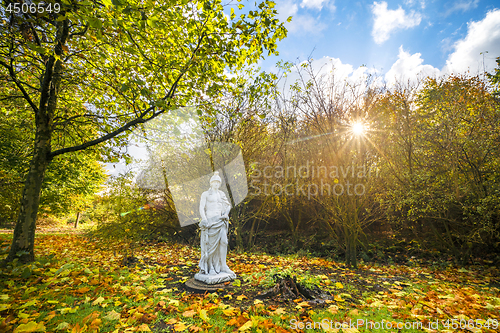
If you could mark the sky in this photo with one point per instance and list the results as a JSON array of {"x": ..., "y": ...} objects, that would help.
[{"x": 396, "y": 39}]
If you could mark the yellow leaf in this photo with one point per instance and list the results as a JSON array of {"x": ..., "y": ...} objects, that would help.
[
  {"x": 98, "y": 300},
  {"x": 4, "y": 307},
  {"x": 229, "y": 312},
  {"x": 350, "y": 330},
  {"x": 174, "y": 302},
  {"x": 279, "y": 311},
  {"x": 377, "y": 304},
  {"x": 304, "y": 304},
  {"x": 30, "y": 327},
  {"x": 203, "y": 315},
  {"x": 246, "y": 326},
  {"x": 331, "y": 330},
  {"x": 112, "y": 315},
  {"x": 333, "y": 309},
  {"x": 339, "y": 285},
  {"x": 338, "y": 298},
  {"x": 241, "y": 297},
  {"x": 23, "y": 315},
  {"x": 257, "y": 301}
]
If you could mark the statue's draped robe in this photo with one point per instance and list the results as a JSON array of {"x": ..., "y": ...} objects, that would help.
[
  {"x": 211, "y": 240},
  {"x": 213, "y": 235}
]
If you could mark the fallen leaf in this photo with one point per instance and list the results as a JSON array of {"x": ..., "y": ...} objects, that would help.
[
  {"x": 98, "y": 300},
  {"x": 179, "y": 327},
  {"x": 189, "y": 313},
  {"x": 143, "y": 328},
  {"x": 62, "y": 326},
  {"x": 30, "y": 327},
  {"x": 112, "y": 315},
  {"x": 279, "y": 311},
  {"x": 203, "y": 315},
  {"x": 246, "y": 326}
]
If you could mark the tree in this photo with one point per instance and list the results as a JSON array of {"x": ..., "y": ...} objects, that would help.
[
  {"x": 92, "y": 71},
  {"x": 446, "y": 135},
  {"x": 70, "y": 180}
]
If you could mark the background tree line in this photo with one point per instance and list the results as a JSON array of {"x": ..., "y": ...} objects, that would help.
[{"x": 430, "y": 156}]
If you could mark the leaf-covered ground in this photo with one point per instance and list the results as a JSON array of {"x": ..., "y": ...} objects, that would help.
[{"x": 79, "y": 285}]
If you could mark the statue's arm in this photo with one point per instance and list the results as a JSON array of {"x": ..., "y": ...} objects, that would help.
[
  {"x": 227, "y": 204},
  {"x": 203, "y": 202}
]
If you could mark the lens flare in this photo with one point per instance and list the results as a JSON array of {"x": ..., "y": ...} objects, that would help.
[{"x": 358, "y": 129}]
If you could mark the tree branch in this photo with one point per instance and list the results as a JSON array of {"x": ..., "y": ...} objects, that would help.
[
  {"x": 138, "y": 120},
  {"x": 12, "y": 74}
]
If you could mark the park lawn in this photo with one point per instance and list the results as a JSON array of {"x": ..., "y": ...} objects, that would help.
[{"x": 83, "y": 285}]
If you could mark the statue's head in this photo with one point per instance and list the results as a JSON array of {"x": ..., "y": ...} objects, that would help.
[{"x": 215, "y": 181}]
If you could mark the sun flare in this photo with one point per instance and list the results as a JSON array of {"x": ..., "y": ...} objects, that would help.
[{"x": 358, "y": 129}]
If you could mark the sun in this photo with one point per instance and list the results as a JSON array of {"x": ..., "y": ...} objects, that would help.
[{"x": 358, "y": 129}]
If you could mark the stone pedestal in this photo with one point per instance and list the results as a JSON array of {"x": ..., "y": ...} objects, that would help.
[
  {"x": 202, "y": 287},
  {"x": 215, "y": 278}
]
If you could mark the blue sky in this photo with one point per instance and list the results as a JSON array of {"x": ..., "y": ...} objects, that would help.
[{"x": 395, "y": 38}]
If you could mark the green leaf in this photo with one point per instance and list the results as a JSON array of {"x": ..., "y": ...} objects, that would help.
[
  {"x": 95, "y": 23},
  {"x": 62, "y": 326},
  {"x": 26, "y": 273}
]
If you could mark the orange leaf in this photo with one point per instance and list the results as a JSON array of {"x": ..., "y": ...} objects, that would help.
[
  {"x": 189, "y": 313},
  {"x": 180, "y": 327},
  {"x": 83, "y": 290}
]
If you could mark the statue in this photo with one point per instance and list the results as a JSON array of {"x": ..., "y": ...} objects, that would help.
[{"x": 214, "y": 211}]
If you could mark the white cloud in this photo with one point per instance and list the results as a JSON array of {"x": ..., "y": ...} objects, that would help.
[
  {"x": 414, "y": 3},
  {"x": 300, "y": 22},
  {"x": 481, "y": 36},
  {"x": 387, "y": 20},
  {"x": 463, "y": 6},
  {"x": 409, "y": 67},
  {"x": 318, "y": 4}
]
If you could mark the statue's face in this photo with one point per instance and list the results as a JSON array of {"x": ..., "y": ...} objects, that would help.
[{"x": 215, "y": 184}]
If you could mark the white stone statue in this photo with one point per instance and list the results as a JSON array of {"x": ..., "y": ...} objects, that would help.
[{"x": 214, "y": 211}]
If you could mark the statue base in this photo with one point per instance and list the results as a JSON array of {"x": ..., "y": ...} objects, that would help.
[
  {"x": 215, "y": 278},
  {"x": 201, "y": 287}
]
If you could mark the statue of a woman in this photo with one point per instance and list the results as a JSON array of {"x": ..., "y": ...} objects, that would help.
[{"x": 214, "y": 211}]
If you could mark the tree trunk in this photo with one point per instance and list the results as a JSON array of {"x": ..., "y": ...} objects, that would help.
[
  {"x": 23, "y": 241},
  {"x": 24, "y": 233},
  {"x": 77, "y": 220}
]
